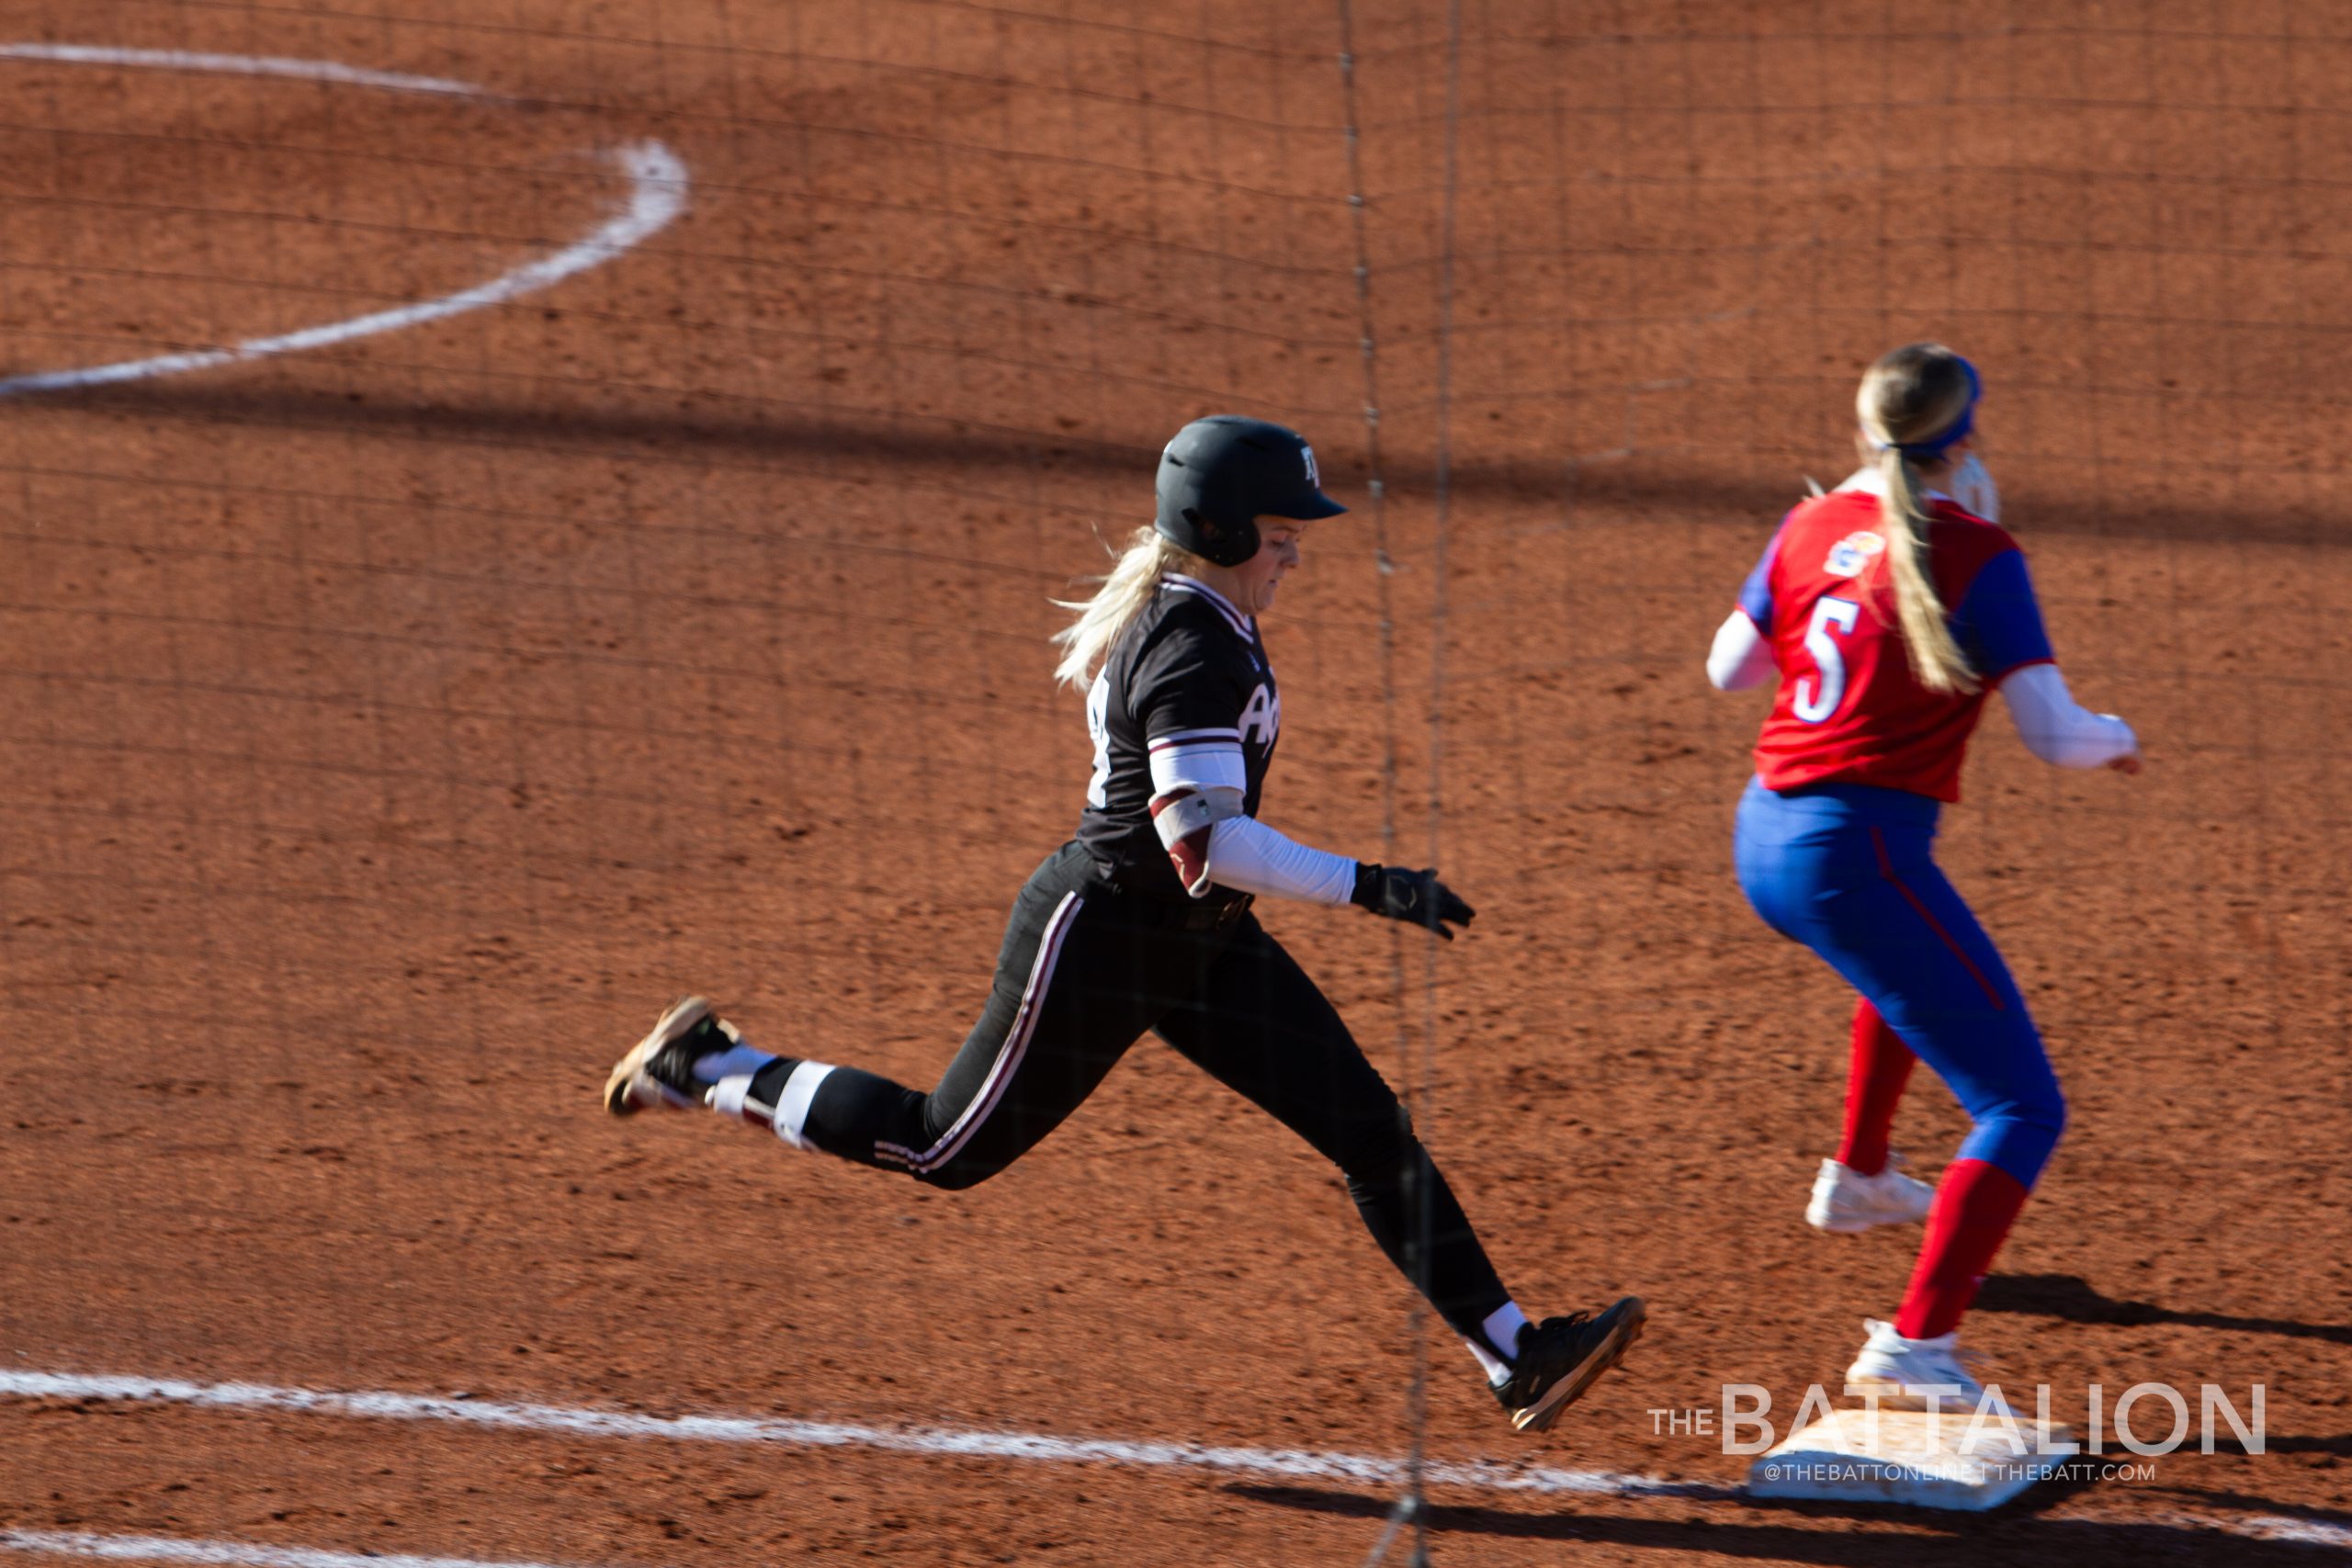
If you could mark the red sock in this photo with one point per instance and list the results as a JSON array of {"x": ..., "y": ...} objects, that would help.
[
  {"x": 1975, "y": 1205},
  {"x": 1880, "y": 1065}
]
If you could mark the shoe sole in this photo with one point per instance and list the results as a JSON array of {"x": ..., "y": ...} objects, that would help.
[
  {"x": 1835, "y": 1223},
  {"x": 1630, "y": 1315},
  {"x": 681, "y": 1016},
  {"x": 1856, "y": 1227}
]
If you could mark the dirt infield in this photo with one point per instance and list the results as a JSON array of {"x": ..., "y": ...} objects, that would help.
[{"x": 393, "y": 726}]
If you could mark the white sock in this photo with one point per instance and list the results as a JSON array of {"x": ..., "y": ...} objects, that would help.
[
  {"x": 726, "y": 1095},
  {"x": 1501, "y": 1327}
]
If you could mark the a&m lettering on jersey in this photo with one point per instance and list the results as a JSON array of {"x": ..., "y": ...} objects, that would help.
[{"x": 1261, "y": 721}]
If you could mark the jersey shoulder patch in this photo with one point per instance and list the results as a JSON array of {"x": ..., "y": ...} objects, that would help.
[{"x": 1833, "y": 536}]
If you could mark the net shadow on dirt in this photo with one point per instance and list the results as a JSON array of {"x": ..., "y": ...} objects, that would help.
[
  {"x": 1636, "y": 483},
  {"x": 2076, "y": 1300}
]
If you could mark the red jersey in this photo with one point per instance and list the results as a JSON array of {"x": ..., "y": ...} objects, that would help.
[{"x": 1849, "y": 710}]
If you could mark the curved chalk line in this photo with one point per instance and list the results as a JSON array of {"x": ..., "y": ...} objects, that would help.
[
  {"x": 658, "y": 186},
  {"x": 245, "y": 65}
]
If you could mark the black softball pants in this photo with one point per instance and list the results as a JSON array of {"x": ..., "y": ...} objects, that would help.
[{"x": 1085, "y": 970}]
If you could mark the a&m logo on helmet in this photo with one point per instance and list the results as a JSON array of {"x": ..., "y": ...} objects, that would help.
[
  {"x": 1852, "y": 553},
  {"x": 1313, "y": 478}
]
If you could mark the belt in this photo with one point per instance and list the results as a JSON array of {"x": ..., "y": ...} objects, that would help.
[
  {"x": 1193, "y": 917},
  {"x": 1185, "y": 915}
]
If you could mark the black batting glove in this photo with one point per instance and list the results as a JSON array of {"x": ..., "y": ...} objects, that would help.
[{"x": 1417, "y": 897}]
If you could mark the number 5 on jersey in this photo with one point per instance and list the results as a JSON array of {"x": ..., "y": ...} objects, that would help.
[{"x": 1829, "y": 688}]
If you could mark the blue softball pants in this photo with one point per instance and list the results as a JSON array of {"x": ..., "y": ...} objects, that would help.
[{"x": 1850, "y": 871}]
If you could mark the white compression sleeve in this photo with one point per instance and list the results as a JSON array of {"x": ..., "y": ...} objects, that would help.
[
  {"x": 1741, "y": 657},
  {"x": 2056, "y": 728},
  {"x": 1210, "y": 842},
  {"x": 1249, "y": 857}
]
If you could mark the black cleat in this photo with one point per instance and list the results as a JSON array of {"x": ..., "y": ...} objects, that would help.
[
  {"x": 1561, "y": 1357},
  {"x": 659, "y": 1071}
]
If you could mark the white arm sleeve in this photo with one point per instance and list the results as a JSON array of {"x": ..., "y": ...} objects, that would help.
[
  {"x": 1249, "y": 857},
  {"x": 1741, "y": 657},
  {"x": 2057, "y": 729},
  {"x": 1211, "y": 844}
]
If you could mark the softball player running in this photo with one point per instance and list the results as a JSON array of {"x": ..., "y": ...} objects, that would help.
[
  {"x": 1888, "y": 612},
  {"x": 1143, "y": 922}
]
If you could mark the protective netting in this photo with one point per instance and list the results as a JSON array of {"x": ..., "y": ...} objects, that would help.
[{"x": 517, "y": 511}]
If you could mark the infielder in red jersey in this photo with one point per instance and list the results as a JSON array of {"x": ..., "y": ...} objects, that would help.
[{"x": 1889, "y": 613}]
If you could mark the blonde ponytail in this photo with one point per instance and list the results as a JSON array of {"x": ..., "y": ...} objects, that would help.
[
  {"x": 1125, "y": 591},
  {"x": 1909, "y": 397}
]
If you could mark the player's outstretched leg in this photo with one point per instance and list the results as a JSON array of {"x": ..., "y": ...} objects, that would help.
[
  {"x": 1263, "y": 1028},
  {"x": 694, "y": 1059},
  {"x": 1078, "y": 981}
]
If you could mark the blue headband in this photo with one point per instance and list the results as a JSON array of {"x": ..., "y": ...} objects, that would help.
[{"x": 1936, "y": 446}]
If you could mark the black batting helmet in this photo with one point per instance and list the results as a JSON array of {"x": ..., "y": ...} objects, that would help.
[{"x": 1221, "y": 474}]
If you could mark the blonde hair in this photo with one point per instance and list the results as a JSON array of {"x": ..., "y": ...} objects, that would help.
[
  {"x": 1126, "y": 588},
  {"x": 1908, "y": 397}
]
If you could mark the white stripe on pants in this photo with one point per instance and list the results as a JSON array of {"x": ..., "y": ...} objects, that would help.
[{"x": 1008, "y": 1056}]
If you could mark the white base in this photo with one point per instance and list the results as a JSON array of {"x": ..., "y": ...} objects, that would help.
[{"x": 1909, "y": 1457}]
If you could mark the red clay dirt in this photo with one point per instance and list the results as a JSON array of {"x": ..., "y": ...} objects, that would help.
[{"x": 394, "y": 728}]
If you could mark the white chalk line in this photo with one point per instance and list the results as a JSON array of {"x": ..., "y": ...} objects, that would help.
[
  {"x": 1290, "y": 1464},
  {"x": 2273, "y": 1526},
  {"x": 222, "y": 1553},
  {"x": 1284, "y": 1464},
  {"x": 243, "y": 65},
  {"x": 658, "y": 187},
  {"x": 658, "y": 195}
]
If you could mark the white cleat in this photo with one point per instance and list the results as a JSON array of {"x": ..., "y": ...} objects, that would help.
[
  {"x": 1846, "y": 1202},
  {"x": 1917, "y": 1374}
]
